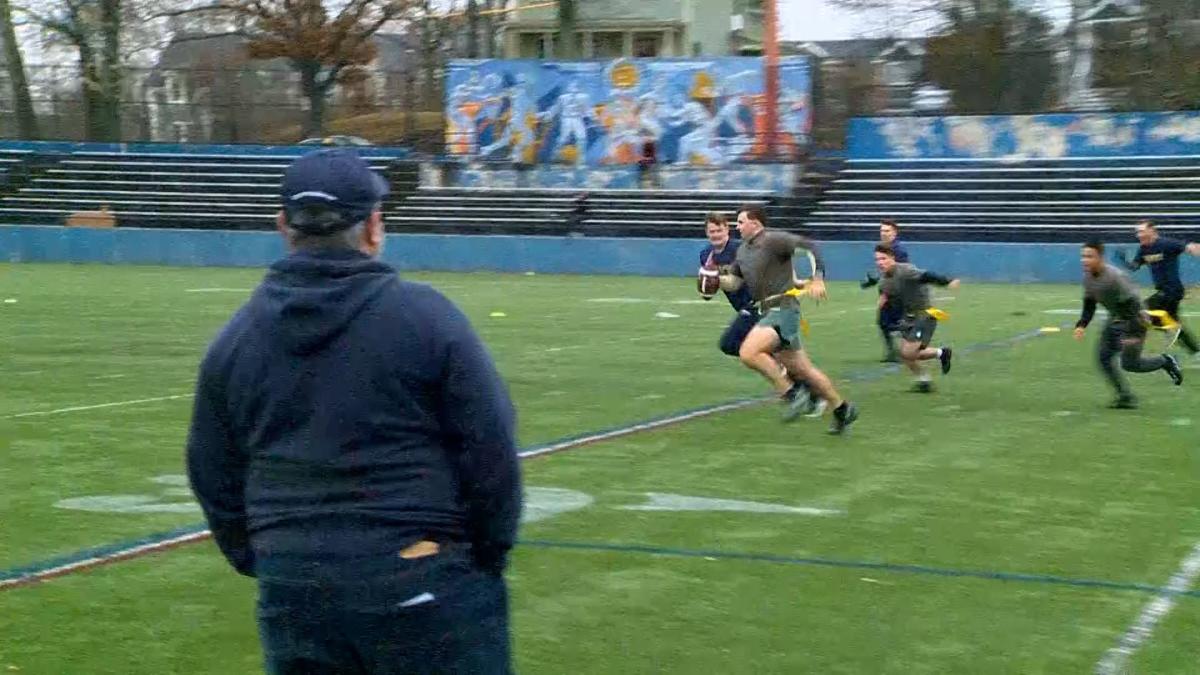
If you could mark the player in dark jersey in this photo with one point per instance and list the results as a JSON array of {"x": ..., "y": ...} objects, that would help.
[
  {"x": 1125, "y": 331},
  {"x": 1162, "y": 255},
  {"x": 890, "y": 313},
  {"x": 720, "y": 255}
]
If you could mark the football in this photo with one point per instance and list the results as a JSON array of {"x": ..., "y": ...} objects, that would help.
[{"x": 708, "y": 281}]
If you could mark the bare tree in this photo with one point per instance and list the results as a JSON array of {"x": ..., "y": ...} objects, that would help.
[
  {"x": 93, "y": 30},
  {"x": 27, "y": 125},
  {"x": 325, "y": 50}
]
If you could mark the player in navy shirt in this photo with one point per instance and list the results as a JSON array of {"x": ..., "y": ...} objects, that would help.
[
  {"x": 890, "y": 314},
  {"x": 1162, "y": 255}
]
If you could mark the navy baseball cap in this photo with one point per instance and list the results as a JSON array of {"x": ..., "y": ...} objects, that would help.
[{"x": 337, "y": 178}]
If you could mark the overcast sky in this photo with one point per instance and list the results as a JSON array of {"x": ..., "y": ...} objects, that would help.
[{"x": 821, "y": 20}]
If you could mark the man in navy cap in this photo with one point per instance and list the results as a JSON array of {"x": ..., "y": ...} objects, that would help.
[{"x": 352, "y": 446}]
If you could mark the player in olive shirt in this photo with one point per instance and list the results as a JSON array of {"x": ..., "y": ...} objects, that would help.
[
  {"x": 1125, "y": 331},
  {"x": 905, "y": 286},
  {"x": 764, "y": 265}
]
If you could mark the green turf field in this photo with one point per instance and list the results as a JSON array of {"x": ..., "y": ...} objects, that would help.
[{"x": 1013, "y": 467}]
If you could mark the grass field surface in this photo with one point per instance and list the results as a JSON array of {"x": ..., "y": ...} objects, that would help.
[{"x": 1008, "y": 523}]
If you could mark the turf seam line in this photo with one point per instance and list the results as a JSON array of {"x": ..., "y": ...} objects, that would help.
[
  {"x": 878, "y": 566},
  {"x": 104, "y": 555},
  {"x": 1116, "y": 660}
]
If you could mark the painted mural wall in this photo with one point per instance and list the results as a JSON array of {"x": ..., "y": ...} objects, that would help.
[
  {"x": 700, "y": 112},
  {"x": 1026, "y": 136}
]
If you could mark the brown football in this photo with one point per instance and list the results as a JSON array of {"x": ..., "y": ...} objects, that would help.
[{"x": 708, "y": 281}]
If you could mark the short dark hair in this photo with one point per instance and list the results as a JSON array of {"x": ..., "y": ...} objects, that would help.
[
  {"x": 886, "y": 250},
  {"x": 1148, "y": 223},
  {"x": 754, "y": 212},
  {"x": 716, "y": 218},
  {"x": 890, "y": 223},
  {"x": 1095, "y": 244}
]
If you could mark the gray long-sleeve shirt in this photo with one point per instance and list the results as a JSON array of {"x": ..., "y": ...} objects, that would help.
[{"x": 764, "y": 262}]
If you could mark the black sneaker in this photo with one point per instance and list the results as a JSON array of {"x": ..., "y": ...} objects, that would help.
[
  {"x": 923, "y": 387},
  {"x": 1125, "y": 402},
  {"x": 843, "y": 417},
  {"x": 945, "y": 359},
  {"x": 1173, "y": 369}
]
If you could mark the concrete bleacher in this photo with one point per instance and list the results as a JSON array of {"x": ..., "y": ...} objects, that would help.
[
  {"x": 172, "y": 190},
  {"x": 630, "y": 213},
  {"x": 1040, "y": 200}
]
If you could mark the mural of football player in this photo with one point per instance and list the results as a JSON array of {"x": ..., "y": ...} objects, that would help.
[
  {"x": 573, "y": 109},
  {"x": 622, "y": 122},
  {"x": 464, "y": 107},
  {"x": 516, "y": 122}
]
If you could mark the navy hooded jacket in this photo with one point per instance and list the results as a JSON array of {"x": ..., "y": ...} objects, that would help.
[{"x": 343, "y": 414}]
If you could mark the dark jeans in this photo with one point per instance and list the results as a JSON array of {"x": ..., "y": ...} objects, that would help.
[
  {"x": 1112, "y": 343},
  {"x": 439, "y": 614},
  {"x": 735, "y": 334}
]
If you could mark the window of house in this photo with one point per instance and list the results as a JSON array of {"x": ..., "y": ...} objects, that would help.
[
  {"x": 902, "y": 71},
  {"x": 647, "y": 45},
  {"x": 175, "y": 90},
  {"x": 608, "y": 45}
]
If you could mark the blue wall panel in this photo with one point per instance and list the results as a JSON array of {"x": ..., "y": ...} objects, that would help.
[
  {"x": 1012, "y": 263},
  {"x": 1054, "y": 136}
]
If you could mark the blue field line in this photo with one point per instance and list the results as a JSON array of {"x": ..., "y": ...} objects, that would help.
[
  {"x": 901, "y": 568},
  {"x": 97, "y": 552},
  {"x": 97, "y": 555}
]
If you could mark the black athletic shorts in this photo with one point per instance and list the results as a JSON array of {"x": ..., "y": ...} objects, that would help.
[
  {"x": 1168, "y": 302},
  {"x": 918, "y": 328}
]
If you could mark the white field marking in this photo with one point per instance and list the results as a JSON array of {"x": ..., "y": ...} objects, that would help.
[
  {"x": 1181, "y": 422},
  {"x": 659, "y": 501},
  {"x": 128, "y": 504},
  {"x": 692, "y": 302},
  {"x": 637, "y": 338},
  {"x": 191, "y": 537},
  {"x": 621, "y": 301},
  {"x": 1116, "y": 660},
  {"x": 650, "y": 397},
  {"x": 30, "y": 372},
  {"x": 543, "y": 503},
  {"x": 218, "y": 290},
  {"x": 98, "y": 406},
  {"x": 109, "y": 377},
  {"x": 172, "y": 479},
  {"x": 665, "y": 315},
  {"x": 952, "y": 408},
  {"x": 944, "y": 298},
  {"x": 1063, "y": 413}
]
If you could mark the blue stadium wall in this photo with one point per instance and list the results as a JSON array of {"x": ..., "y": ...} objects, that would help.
[
  {"x": 1014, "y": 263},
  {"x": 1019, "y": 137}
]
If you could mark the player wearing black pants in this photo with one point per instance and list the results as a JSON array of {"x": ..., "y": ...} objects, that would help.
[
  {"x": 1125, "y": 331},
  {"x": 1162, "y": 255}
]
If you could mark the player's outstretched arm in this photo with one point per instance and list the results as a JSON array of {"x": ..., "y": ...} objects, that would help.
[
  {"x": 1193, "y": 249},
  {"x": 939, "y": 280},
  {"x": 1089, "y": 311}
]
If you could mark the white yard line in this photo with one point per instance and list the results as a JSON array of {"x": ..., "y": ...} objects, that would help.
[
  {"x": 1116, "y": 660},
  {"x": 98, "y": 406}
]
